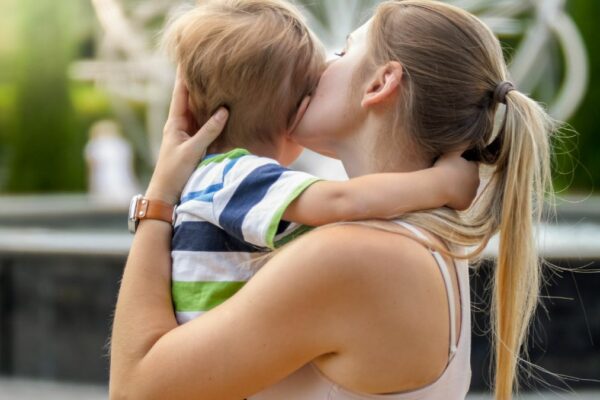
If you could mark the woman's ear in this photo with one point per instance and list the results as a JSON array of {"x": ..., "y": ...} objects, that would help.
[{"x": 384, "y": 85}]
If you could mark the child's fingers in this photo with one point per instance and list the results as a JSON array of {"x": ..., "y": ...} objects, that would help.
[{"x": 453, "y": 154}]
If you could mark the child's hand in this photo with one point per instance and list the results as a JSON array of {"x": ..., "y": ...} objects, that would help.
[
  {"x": 461, "y": 179},
  {"x": 182, "y": 147}
]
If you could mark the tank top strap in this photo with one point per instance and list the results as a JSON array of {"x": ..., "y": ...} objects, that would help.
[{"x": 447, "y": 282}]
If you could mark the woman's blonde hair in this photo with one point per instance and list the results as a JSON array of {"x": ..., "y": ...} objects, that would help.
[
  {"x": 453, "y": 65},
  {"x": 256, "y": 57}
]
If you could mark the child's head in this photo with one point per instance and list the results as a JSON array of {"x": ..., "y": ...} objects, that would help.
[{"x": 256, "y": 57}]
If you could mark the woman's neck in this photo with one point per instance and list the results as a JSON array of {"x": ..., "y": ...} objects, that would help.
[{"x": 361, "y": 154}]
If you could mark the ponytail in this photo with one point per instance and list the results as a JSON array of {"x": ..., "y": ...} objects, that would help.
[{"x": 523, "y": 176}]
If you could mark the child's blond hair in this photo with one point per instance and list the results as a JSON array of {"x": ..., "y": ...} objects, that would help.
[{"x": 256, "y": 57}]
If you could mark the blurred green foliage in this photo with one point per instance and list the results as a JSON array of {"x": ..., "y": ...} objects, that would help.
[
  {"x": 580, "y": 162},
  {"x": 42, "y": 134},
  {"x": 45, "y": 116}
]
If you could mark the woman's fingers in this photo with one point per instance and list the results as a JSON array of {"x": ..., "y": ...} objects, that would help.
[
  {"x": 211, "y": 130},
  {"x": 457, "y": 153},
  {"x": 180, "y": 119},
  {"x": 178, "y": 112}
]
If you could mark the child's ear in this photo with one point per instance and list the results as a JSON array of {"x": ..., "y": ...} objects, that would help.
[
  {"x": 299, "y": 114},
  {"x": 384, "y": 86}
]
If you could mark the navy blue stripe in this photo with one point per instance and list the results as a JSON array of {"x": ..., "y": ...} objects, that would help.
[
  {"x": 248, "y": 194},
  {"x": 283, "y": 225},
  {"x": 204, "y": 236}
]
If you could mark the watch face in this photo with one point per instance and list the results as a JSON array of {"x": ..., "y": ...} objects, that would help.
[
  {"x": 132, "y": 226},
  {"x": 132, "y": 220}
]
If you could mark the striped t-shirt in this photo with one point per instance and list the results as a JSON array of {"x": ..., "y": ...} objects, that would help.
[{"x": 229, "y": 216}]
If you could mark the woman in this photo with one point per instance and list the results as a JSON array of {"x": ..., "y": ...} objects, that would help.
[{"x": 349, "y": 311}]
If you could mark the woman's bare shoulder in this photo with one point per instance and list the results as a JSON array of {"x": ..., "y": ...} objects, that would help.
[
  {"x": 360, "y": 252},
  {"x": 376, "y": 278},
  {"x": 360, "y": 242}
]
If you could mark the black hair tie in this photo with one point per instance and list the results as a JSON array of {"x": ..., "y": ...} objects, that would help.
[{"x": 502, "y": 90}]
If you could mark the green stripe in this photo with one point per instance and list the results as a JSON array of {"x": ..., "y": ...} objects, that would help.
[
  {"x": 202, "y": 296},
  {"x": 272, "y": 230},
  {"x": 293, "y": 235},
  {"x": 233, "y": 154}
]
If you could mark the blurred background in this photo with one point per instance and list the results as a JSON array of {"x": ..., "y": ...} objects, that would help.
[{"x": 83, "y": 97}]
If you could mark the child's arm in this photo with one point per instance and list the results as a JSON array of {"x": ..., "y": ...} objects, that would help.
[{"x": 452, "y": 182}]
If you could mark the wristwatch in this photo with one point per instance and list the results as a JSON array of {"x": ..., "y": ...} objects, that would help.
[{"x": 141, "y": 208}]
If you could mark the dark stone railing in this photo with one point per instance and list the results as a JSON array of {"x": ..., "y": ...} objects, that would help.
[{"x": 59, "y": 282}]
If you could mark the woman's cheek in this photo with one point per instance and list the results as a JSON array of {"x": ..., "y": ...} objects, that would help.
[
  {"x": 325, "y": 114},
  {"x": 317, "y": 123}
]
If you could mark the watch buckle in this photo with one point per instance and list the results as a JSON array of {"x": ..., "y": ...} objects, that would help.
[{"x": 141, "y": 208}]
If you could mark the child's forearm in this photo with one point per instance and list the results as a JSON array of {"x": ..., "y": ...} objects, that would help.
[
  {"x": 381, "y": 196},
  {"x": 394, "y": 194}
]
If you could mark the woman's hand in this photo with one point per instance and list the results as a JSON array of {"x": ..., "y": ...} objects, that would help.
[{"x": 180, "y": 152}]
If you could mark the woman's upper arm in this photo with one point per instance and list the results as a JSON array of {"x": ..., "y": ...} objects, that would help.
[{"x": 281, "y": 320}]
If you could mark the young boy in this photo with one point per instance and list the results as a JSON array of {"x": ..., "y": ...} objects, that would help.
[{"x": 258, "y": 58}]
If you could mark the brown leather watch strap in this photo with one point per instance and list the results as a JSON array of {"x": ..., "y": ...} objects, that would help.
[{"x": 154, "y": 209}]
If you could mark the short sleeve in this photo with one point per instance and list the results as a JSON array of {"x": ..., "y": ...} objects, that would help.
[
  {"x": 196, "y": 203},
  {"x": 255, "y": 194}
]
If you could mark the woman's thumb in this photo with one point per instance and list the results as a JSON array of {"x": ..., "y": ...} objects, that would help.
[{"x": 211, "y": 129}]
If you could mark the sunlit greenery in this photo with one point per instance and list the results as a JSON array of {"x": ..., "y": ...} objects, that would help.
[
  {"x": 44, "y": 115},
  {"x": 582, "y": 148}
]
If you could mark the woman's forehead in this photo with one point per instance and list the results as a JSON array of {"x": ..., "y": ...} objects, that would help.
[
  {"x": 363, "y": 30},
  {"x": 360, "y": 34}
]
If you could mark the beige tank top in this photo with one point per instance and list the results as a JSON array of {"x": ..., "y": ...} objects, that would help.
[{"x": 308, "y": 383}]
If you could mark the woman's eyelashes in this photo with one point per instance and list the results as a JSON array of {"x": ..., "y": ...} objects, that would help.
[{"x": 341, "y": 53}]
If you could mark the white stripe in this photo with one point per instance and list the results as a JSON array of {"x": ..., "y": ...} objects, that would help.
[
  {"x": 257, "y": 221},
  {"x": 186, "y": 316},
  {"x": 240, "y": 171},
  {"x": 194, "y": 211},
  {"x": 205, "y": 176},
  {"x": 197, "y": 266}
]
